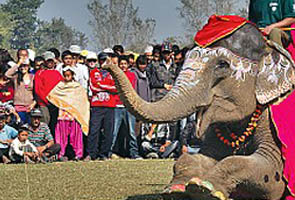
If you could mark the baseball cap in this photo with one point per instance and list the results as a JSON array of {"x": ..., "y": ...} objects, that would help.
[
  {"x": 166, "y": 46},
  {"x": 84, "y": 53},
  {"x": 108, "y": 50},
  {"x": 75, "y": 49},
  {"x": 149, "y": 49},
  {"x": 36, "y": 113},
  {"x": 91, "y": 56},
  {"x": 48, "y": 55}
]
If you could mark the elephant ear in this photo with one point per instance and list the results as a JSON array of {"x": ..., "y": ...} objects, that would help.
[{"x": 275, "y": 75}]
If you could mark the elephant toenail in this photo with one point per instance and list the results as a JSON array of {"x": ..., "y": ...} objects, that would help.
[
  {"x": 266, "y": 179},
  {"x": 277, "y": 176}
]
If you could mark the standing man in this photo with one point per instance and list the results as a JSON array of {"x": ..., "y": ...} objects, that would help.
[
  {"x": 271, "y": 15},
  {"x": 102, "y": 111}
]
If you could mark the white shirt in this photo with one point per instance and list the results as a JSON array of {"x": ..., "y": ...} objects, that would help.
[
  {"x": 18, "y": 147},
  {"x": 81, "y": 73}
]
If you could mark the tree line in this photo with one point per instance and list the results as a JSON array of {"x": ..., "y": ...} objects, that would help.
[{"x": 112, "y": 22}]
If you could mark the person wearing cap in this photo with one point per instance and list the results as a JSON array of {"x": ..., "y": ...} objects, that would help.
[
  {"x": 149, "y": 54},
  {"x": 102, "y": 111},
  {"x": 163, "y": 73},
  {"x": 82, "y": 57},
  {"x": 81, "y": 70},
  {"x": 56, "y": 55},
  {"x": 23, "y": 82},
  {"x": 91, "y": 60},
  {"x": 41, "y": 137},
  {"x": 7, "y": 134},
  {"x": 45, "y": 80}
]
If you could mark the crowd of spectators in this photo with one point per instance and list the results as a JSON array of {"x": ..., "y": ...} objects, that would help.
[{"x": 33, "y": 129}]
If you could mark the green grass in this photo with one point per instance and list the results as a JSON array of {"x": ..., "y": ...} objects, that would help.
[{"x": 115, "y": 179}]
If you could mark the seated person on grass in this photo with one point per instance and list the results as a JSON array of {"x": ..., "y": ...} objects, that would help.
[
  {"x": 157, "y": 141},
  {"x": 41, "y": 138},
  {"x": 7, "y": 134},
  {"x": 22, "y": 150}
]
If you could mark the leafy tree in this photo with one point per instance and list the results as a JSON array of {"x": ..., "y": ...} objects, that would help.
[
  {"x": 117, "y": 22},
  {"x": 57, "y": 34},
  {"x": 24, "y": 14},
  {"x": 6, "y": 29}
]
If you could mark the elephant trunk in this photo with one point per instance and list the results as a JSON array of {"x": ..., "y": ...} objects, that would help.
[{"x": 177, "y": 104}]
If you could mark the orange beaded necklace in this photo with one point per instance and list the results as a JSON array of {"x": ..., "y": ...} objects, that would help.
[{"x": 234, "y": 141}]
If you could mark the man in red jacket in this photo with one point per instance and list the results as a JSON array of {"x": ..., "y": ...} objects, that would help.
[
  {"x": 103, "y": 104},
  {"x": 45, "y": 81},
  {"x": 122, "y": 115}
]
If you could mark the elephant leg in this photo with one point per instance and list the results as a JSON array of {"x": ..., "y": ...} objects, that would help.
[
  {"x": 187, "y": 167},
  {"x": 260, "y": 178}
]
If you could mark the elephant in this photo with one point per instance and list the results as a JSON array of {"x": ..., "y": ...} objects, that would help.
[{"x": 231, "y": 85}]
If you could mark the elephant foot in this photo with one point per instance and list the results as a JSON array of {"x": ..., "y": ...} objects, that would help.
[
  {"x": 175, "y": 192},
  {"x": 203, "y": 190}
]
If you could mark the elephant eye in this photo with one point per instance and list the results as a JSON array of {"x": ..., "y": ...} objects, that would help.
[{"x": 222, "y": 64}]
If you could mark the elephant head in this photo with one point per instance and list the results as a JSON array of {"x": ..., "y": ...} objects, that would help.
[{"x": 227, "y": 79}]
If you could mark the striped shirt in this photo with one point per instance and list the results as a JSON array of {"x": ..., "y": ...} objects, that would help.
[{"x": 41, "y": 136}]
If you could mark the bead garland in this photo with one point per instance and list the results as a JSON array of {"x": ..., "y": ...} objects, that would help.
[{"x": 236, "y": 141}]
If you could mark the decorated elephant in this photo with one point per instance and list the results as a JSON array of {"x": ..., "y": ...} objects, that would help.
[{"x": 230, "y": 84}]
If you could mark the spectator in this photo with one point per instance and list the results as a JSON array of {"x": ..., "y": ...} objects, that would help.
[
  {"x": 23, "y": 87},
  {"x": 179, "y": 60},
  {"x": 103, "y": 103},
  {"x": 39, "y": 63},
  {"x": 157, "y": 53},
  {"x": 7, "y": 134},
  {"x": 188, "y": 140},
  {"x": 122, "y": 115},
  {"x": 22, "y": 150},
  {"x": 142, "y": 87},
  {"x": 149, "y": 54},
  {"x": 91, "y": 60},
  {"x": 82, "y": 57},
  {"x": 81, "y": 71},
  {"x": 40, "y": 136},
  {"x": 91, "y": 63},
  {"x": 131, "y": 60},
  {"x": 143, "y": 84},
  {"x": 118, "y": 49},
  {"x": 158, "y": 141},
  {"x": 45, "y": 80},
  {"x": 163, "y": 73},
  {"x": 12, "y": 117},
  {"x": 67, "y": 127},
  {"x": 56, "y": 55},
  {"x": 6, "y": 88}
]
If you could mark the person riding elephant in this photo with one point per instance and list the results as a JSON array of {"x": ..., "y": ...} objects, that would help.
[
  {"x": 230, "y": 81},
  {"x": 271, "y": 16}
]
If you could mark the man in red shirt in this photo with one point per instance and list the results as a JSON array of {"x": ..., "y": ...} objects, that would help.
[
  {"x": 103, "y": 104},
  {"x": 122, "y": 115}
]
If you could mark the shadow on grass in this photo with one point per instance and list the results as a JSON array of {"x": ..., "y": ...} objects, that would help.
[{"x": 146, "y": 196}]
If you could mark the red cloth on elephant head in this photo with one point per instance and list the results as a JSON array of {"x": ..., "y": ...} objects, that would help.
[{"x": 217, "y": 28}]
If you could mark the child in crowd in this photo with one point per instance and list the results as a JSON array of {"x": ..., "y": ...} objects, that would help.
[
  {"x": 22, "y": 150},
  {"x": 67, "y": 128}
]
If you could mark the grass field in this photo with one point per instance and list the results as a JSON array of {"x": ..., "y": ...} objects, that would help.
[{"x": 115, "y": 179}]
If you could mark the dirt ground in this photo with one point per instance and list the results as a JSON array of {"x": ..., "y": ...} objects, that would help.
[{"x": 97, "y": 180}]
